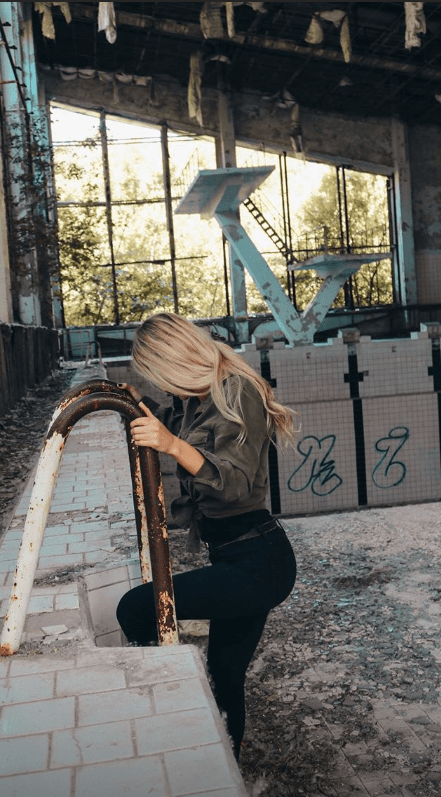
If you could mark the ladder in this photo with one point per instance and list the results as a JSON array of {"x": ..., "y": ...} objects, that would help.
[{"x": 269, "y": 229}]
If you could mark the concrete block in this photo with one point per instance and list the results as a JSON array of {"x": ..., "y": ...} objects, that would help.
[
  {"x": 85, "y": 526},
  {"x": 39, "y": 717},
  {"x": 7, "y": 564},
  {"x": 57, "y": 531},
  {"x": 40, "y": 603},
  {"x": 9, "y": 547},
  {"x": 66, "y": 601},
  {"x": 185, "y": 694},
  {"x": 135, "y": 777},
  {"x": 185, "y": 729},
  {"x": 27, "y": 688},
  {"x": 91, "y": 744},
  {"x": 55, "y": 562},
  {"x": 89, "y": 679},
  {"x": 156, "y": 669},
  {"x": 39, "y": 784},
  {"x": 67, "y": 506},
  {"x": 23, "y": 755},
  {"x": 198, "y": 770},
  {"x": 40, "y": 664},
  {"x": 103, "y": 707}
]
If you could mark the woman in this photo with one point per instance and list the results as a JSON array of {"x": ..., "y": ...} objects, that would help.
[{"x": 220, "y": 443}]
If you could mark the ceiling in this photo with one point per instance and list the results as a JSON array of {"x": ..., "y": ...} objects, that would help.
[{"x": 267, "y": 52}]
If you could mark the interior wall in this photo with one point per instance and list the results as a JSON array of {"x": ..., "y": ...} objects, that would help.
[{"x": 425, "y": 168}]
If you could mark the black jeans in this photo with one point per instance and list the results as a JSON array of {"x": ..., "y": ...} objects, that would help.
[{"x": 245, "y": 581}]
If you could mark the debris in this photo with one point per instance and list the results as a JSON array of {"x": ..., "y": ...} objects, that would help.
[
  {"x": 54, "y": 630},
  {"x": 194, "y": 87},
  {"x": 415, "y": 24}
]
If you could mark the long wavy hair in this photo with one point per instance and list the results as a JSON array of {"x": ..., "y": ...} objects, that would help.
[{"x": 183, "y": 359}]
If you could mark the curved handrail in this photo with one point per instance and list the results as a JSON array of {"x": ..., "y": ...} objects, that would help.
[
  {"x": 100, "y": 385},
  {"x": 39, "y": 506}
]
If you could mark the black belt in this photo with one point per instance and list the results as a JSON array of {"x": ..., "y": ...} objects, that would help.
[{"x": 258, "y": 531}]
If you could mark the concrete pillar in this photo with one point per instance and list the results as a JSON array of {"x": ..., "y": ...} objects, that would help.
[
  {"x": 226, "y": 158},
  {"x": 425, "y": 165},
  {"x": 405, "y": 272},
  {"x": 17, "y": 126},
  {"x": 46, "y": 262}
]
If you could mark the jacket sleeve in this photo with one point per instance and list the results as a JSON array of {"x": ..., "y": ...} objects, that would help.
[
  {"x": 167, "y": 415},
  {"x": 228, "y": 472}
]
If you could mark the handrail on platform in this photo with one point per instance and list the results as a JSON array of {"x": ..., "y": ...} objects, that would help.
[{"x": 148, "y": 498}]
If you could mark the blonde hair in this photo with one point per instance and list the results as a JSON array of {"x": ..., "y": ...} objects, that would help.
[{"x": 183, "y": 359}]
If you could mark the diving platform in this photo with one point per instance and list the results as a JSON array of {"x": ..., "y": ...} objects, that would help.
[{"x": 219, "y": 193}]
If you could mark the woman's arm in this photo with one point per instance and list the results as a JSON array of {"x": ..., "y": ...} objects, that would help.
[{"x": 150, "y": 432}]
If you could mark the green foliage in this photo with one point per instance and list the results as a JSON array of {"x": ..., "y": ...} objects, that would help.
[
  {"x": 141, "y": 248},
  {"x": 319, "y": 229}
]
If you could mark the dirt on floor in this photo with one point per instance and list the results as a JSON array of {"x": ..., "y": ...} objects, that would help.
[
  {"x": 22, "y": 432},
  {"x": 361, "y": 628}
]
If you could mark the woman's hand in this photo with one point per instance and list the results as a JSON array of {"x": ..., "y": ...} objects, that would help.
[{"x": 152, "y": 433}]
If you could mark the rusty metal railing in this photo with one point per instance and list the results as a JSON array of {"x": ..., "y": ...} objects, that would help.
[{"x": 149, "y": 507}]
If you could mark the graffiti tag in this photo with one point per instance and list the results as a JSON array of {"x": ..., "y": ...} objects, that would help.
[
  {"x": 316, "y": 471},
  {"x": 390, "y": 472}
]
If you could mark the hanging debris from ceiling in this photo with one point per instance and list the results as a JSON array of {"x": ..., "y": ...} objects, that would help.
[
  {"x": 415, "y": 24},
  {"x": 315, "y": 33},
  {"x": 107, "y": 21},
  {"x": 296, "y": 135},
  {"x": 229, "y": 11},
  {"x": 47, "y": 22},
  {"x": 210, "y": 18},
  {"x": 194, "y": 94}
]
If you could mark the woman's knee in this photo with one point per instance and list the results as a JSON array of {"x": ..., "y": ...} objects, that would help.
[{"x": 136, "y": 607}]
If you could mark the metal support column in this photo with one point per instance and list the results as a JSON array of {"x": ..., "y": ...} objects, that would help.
[
  {"x": 405, "y": 234},
  {"x": 106, "y": 170},
  {"x": 169, "y": 212},
  {"x": 226, "y": 159}
]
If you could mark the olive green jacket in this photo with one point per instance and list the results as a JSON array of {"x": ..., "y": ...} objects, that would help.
[{"x": 234, "y": 477}]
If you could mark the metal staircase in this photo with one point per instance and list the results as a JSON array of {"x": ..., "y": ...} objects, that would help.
[{"x": 269, "y": 229}]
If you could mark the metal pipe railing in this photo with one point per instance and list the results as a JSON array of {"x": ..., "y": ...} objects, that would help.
[
  {"x": 147, "y": 481},
  {"x": 106, "y": 386}
]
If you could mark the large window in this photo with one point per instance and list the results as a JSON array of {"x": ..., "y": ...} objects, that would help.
[{"x": 125, "y": 254}]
